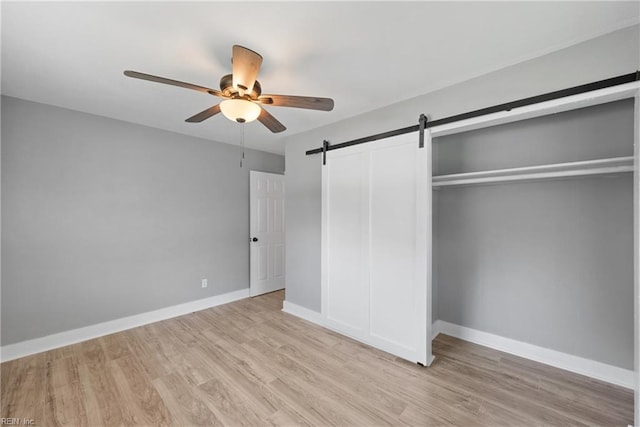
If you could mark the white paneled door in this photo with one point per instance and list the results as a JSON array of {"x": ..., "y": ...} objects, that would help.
[
  {"x": 266, "y": 202},
  {"x": 376, "y": 245}
]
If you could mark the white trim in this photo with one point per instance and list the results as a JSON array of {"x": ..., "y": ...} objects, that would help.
[
  {"x": 424, "y": 240},
  {"x": 550, "y": 171},
  {"x": 38, "y": 345},
  {"x": 636, "y": 255},
  {"x": 435, "y": 329},
  {"x": 318, "y": 319},
  {"x": 303, "y": 313},
  {"x": 551, "y": 167},
  {"x": 535, "y": 176},
  {"x": 573, "y": 102},
  {"x": 579, "y": 365}
]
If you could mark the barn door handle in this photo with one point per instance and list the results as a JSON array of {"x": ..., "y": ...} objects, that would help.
[{"x": 255, "y": 239}]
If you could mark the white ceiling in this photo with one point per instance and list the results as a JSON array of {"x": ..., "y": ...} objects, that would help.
[{"x": 365, "y": 55}]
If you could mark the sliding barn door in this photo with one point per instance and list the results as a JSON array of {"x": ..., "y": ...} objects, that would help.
[{"x": 376, "y": 255}]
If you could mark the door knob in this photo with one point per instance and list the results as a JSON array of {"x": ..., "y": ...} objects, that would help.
[{"x": 255, "y": 239}]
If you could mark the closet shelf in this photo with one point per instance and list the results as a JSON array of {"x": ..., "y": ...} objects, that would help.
[{"x": 530, "y": 173}]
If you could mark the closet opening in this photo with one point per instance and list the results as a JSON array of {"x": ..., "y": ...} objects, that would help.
[{"x": 533, "y": 235}]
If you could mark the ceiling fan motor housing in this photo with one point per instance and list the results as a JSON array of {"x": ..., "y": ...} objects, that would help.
[{"x": 226, "y": 87}]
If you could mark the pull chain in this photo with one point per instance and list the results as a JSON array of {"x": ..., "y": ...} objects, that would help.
[{"x": 242, "y": 145}]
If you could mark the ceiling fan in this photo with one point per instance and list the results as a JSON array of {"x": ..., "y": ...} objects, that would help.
[{"x": 242, "y": 93}]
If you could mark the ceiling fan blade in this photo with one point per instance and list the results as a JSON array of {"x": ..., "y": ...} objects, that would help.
[
  {"x": 270, "y": 122},
  {"x": 245, "y": 66},
  {"x": 310, "y": 102},
  {"x": 204, "y": 115},
  {"x": 149, "y": 77}
]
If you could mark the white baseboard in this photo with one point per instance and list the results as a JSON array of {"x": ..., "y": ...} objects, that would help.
[
  {"x": 591, "y": 368},
  {"x": 38, "y": 345},
  {"x": 579, "y": 365},
  {"x": 318, "y": 319},
  {"x": 303, "y": 313},
  {"x": 598, "y": 370}
]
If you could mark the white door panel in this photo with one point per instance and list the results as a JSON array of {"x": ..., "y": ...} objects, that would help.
[
  {"x": 267, "y": 232},
  {"x": 393, "y": 240},
  {"x": 346, "y": 203},
  {"x": 376, "y": 245}
]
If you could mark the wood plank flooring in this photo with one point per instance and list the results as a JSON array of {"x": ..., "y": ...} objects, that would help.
[{"x": 248, "y": 364}]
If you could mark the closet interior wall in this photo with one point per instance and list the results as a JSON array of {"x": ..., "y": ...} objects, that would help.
[{"x": 546, "y": 262}]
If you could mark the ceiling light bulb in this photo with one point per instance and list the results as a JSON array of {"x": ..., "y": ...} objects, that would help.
[{"x": 240, "y": 110}]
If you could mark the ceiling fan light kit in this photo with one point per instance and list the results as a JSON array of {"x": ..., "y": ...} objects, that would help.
[
  {"x": 240, "y": 110},
  {"x": 242, "y": 93}
]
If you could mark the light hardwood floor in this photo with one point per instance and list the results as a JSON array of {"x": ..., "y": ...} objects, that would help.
[{"x": 247, "y": 363}]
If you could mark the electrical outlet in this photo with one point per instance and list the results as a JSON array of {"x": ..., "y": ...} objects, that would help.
[{"x": 204, "y": 283}]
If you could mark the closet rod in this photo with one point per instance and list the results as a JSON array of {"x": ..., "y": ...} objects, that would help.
[{"x": 601, "y": 84}]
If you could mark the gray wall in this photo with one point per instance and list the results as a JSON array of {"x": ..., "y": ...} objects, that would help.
[
  {"x": 588, "y": 133},
  {"x": 610, "y": 55},
  {"x": 103, "y": 219},
  {"x": 549, "y": 263}
]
